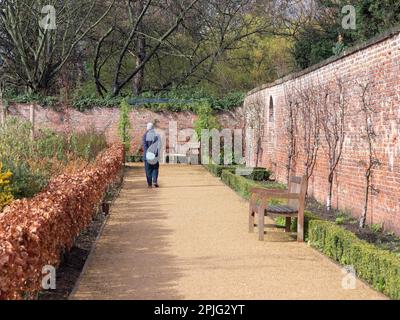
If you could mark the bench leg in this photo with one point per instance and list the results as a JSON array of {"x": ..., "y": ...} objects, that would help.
[
  {"x": 300, "y": 228},
  {"x": 261, "y": 225},
  {"x": 288, "y": 224},
  {"x": 251, "y": 221}
]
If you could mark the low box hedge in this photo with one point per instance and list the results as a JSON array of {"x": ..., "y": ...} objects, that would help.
[
  {"x": 240, "y": 184},
  {"x": 378, "y": 267},
  {"x": 257, "y": 174},
  {"x": 216, "y": 169}
]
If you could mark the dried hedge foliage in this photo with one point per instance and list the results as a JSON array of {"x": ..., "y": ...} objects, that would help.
[{"x": 35, "y": 232}]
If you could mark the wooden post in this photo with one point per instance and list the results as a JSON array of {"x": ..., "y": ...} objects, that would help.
[
  {"x": 288, "y": 224},
  {"x": 3, "y": 113},
  {"x": 32, "y": 119},
  {"x": 106, "y": 208}
]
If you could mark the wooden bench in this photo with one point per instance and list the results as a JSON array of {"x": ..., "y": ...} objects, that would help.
[
  {"x": 293, "y": 207},
  {"x": 176, "y": 157}
]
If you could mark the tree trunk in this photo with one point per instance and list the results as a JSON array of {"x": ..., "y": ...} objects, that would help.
[
  {"x": 363, "y": 218},
  {"x": 138, "y": 80},
  {"x": 258, "y": 152},
  {"x": 289, "y": 168},
  {"x": 330, "y": 192}
]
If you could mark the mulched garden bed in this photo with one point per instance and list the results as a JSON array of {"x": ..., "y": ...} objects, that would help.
[{"x": 381, "y": 239}]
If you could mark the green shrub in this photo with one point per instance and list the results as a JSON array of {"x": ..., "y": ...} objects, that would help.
[
  {"x": 340, "y": 220},
  {"x": 185, "y": 98},
  {"x": 125, "y": 125},
  {"x": 44, "y": 101},
  {"x": 206, "y": 119},
  {"x": 243, "y": 185},
  {"x": 6, "y": 196},
  {"x": 378, "y": 267},
  {"x": 308, "y": 216},
  {"x": 26, "y": 180},
  {"x": 135, "y": 158},
  {"x": 259, "y": 174},
  {"x": 217, "y": 169},
  {"x": 377, "y": 228},
  {"x": 174, "y": 100},
  {"x": 230, "y": 101},
  {"x": 89, "y": 102}
]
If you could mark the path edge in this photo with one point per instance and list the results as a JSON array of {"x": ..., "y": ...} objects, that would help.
[{"x": 94, "y": 246}]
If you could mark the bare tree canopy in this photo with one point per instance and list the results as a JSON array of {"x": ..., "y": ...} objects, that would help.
[
  {"x": 32, "y": 54},
  {"x": 126, "y": 46}
]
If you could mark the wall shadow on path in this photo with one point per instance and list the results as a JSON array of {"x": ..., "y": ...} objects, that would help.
[{"x": 134, "y": 249}]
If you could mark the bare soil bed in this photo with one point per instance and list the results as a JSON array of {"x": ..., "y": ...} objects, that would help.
[{"x": 382, "y": 239}]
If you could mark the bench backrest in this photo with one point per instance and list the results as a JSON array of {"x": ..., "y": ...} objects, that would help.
[{"x": 298, "y": 185}]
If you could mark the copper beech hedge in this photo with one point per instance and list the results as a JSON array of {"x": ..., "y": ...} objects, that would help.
[{"x": 35, "y": 232}]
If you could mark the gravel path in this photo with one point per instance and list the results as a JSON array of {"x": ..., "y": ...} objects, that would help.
[{"x": 189, "y": 240}]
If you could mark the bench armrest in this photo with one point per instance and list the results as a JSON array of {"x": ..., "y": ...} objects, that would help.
[
  {"x": 262, "y": 191},
  {"x": 274, "y": 194},
  {"x": 288, "y": 196}
]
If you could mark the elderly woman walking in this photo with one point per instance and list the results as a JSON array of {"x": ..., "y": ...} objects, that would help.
[{"x": 152, "y": 148}]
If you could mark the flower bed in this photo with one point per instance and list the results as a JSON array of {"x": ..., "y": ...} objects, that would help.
[
  {"x": 35, "y": 232},
  {"x": 6, "y": 196}
]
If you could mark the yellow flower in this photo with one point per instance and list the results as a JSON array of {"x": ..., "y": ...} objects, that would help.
[{"x": 6, "y": 196}]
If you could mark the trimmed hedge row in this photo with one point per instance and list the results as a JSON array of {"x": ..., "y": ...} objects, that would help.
[
  {"x": 241, "y": 184},
  {"x": 378, "y": 267},
  {"x": 35, "y": 232},
  {"x": 216, "y": 169},
  {"x": 258, "y": 174}
]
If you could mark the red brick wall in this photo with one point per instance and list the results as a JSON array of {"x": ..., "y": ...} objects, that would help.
[
  {"x": 106, "y": 119},
  {"x": 377, "y": 63}
]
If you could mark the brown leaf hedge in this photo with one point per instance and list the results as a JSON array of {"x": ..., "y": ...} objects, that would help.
[{"x": 35, "y": 232}]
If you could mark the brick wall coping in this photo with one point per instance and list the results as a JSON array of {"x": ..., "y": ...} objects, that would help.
[{"x": 350, "y": 51}]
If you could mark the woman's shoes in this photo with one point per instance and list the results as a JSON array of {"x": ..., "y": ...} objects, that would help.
[{"x": 156, "y": 185}]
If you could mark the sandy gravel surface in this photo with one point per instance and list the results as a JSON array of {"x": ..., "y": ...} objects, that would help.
[{"x": 189, "y": 240}]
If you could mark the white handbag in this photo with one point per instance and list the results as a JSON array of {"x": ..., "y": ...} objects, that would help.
[{"x": 150, "y": 156}]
